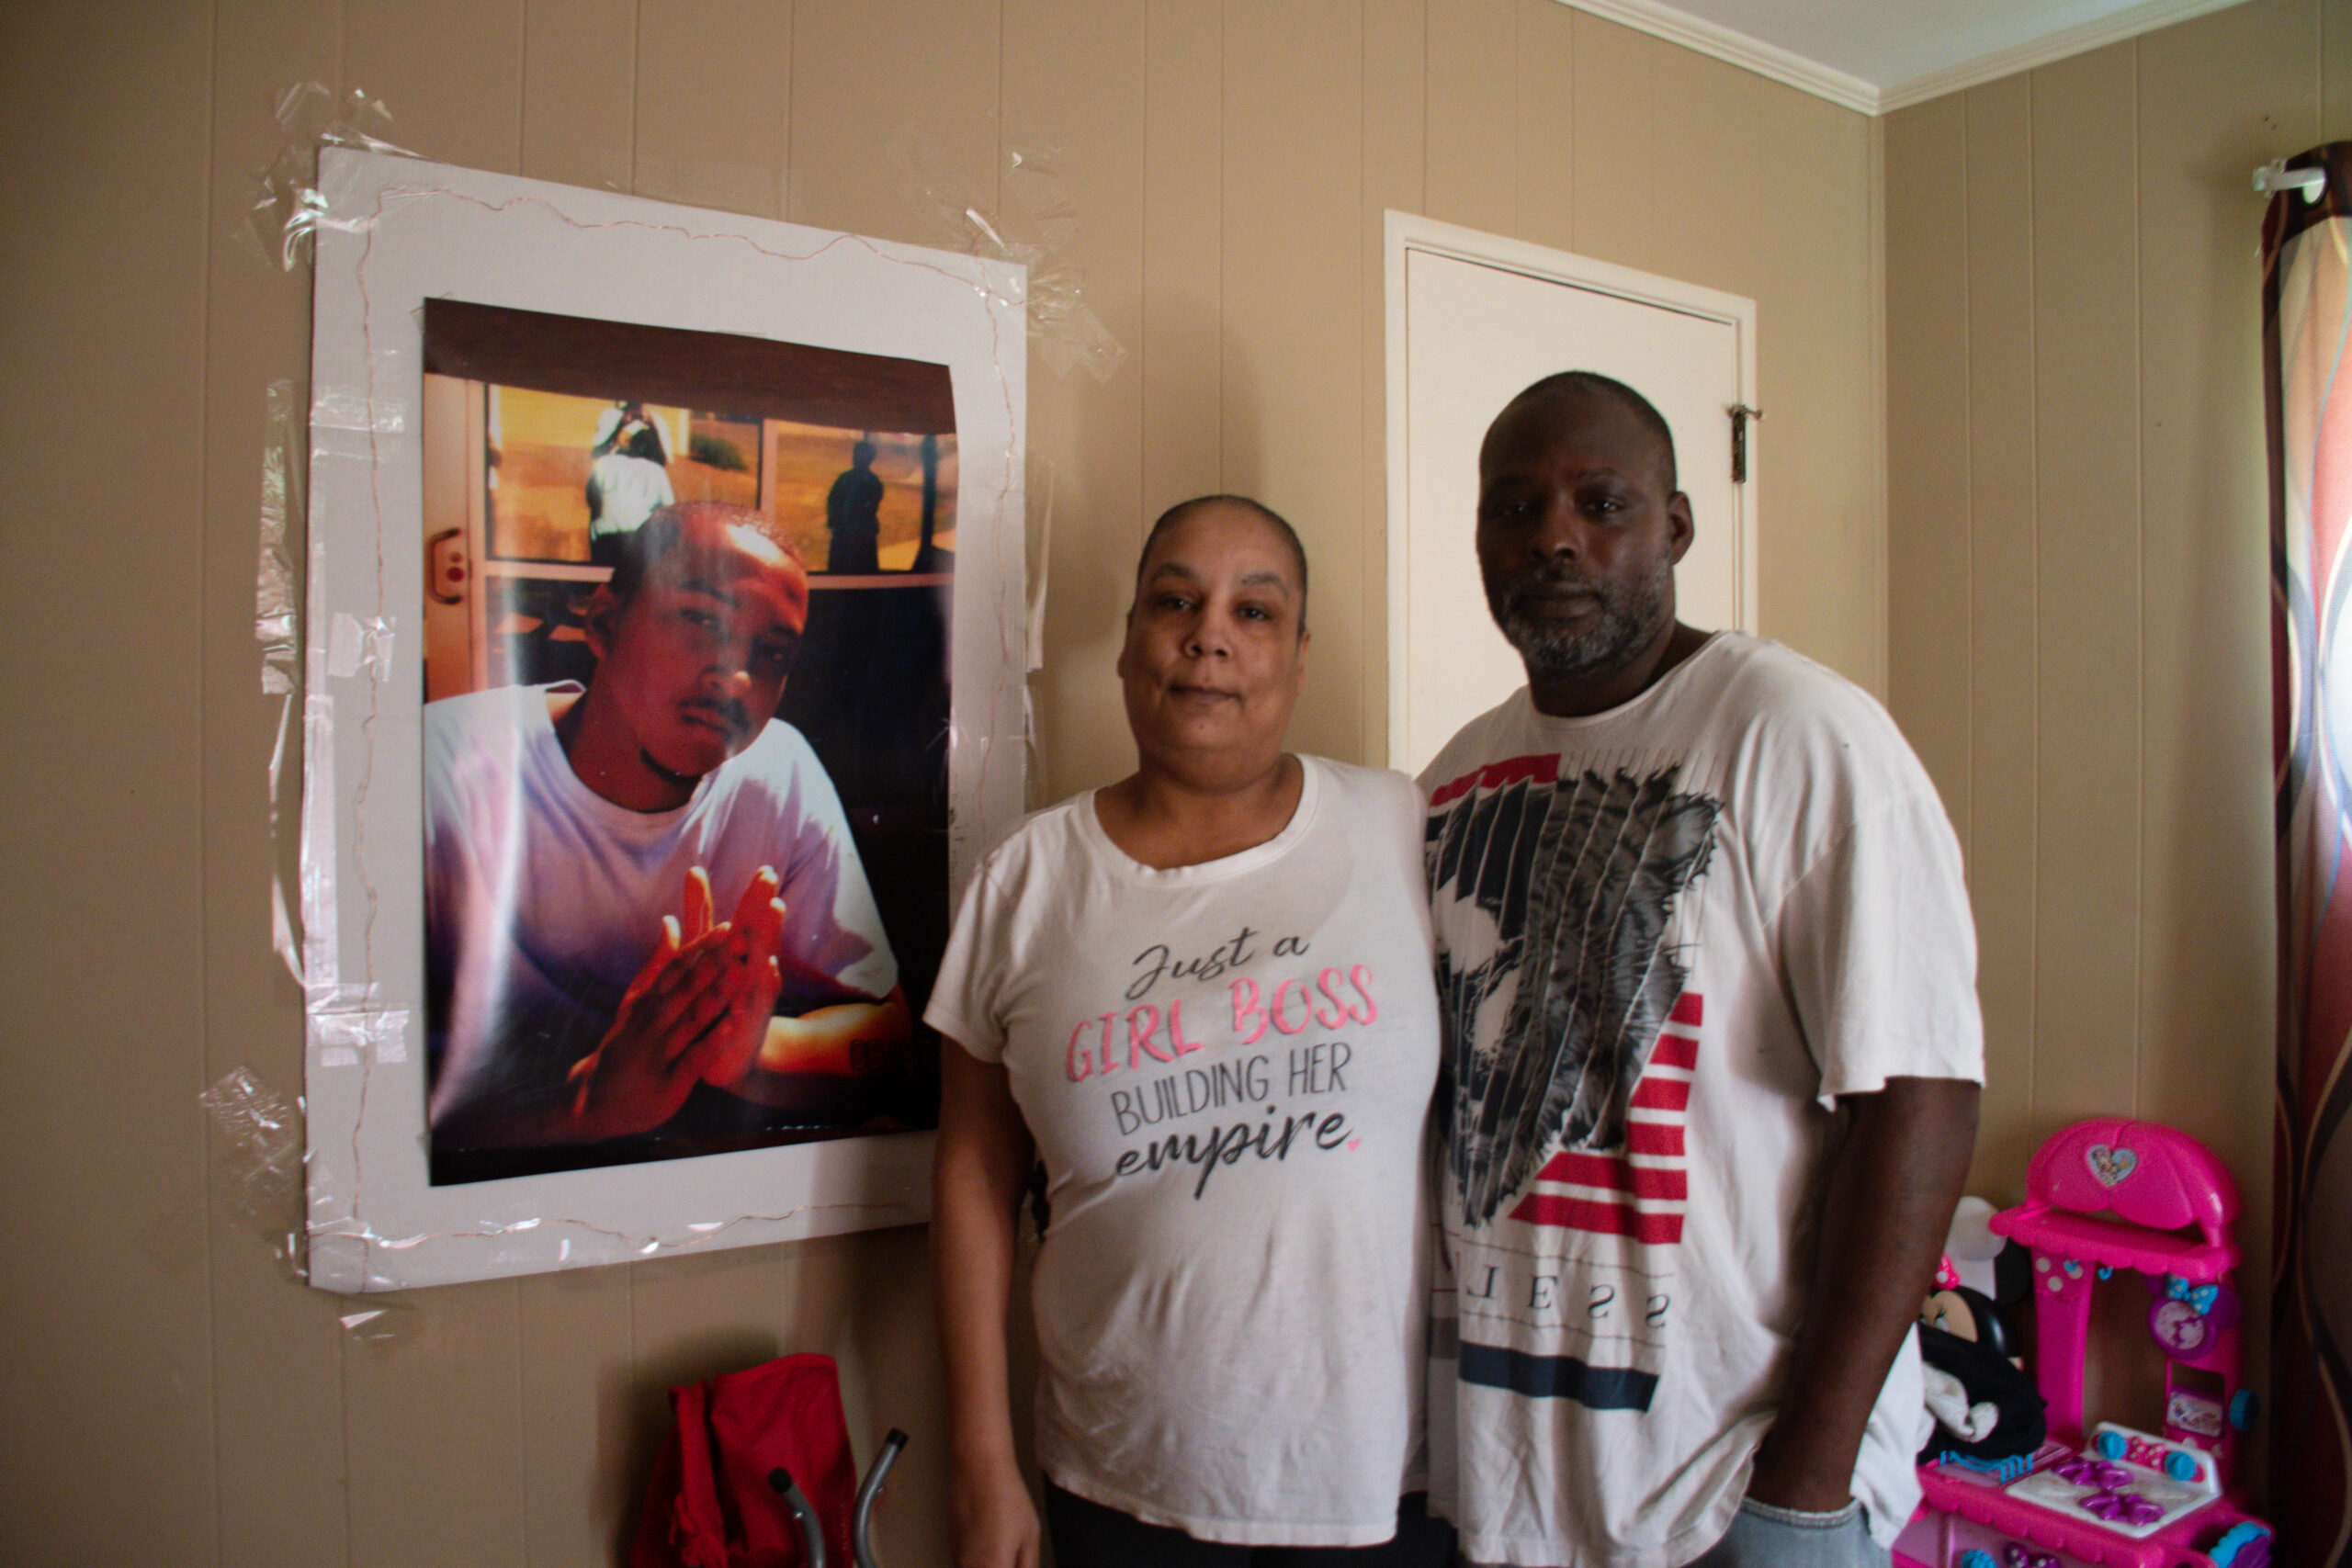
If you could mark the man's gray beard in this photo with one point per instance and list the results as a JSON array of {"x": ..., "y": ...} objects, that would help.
[{"x": 1627, "y": 622}]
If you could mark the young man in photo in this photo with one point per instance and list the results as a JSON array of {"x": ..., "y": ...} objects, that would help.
[
  {"x": 1707, "y": 974},
  {"x": 581, "y": 843}
]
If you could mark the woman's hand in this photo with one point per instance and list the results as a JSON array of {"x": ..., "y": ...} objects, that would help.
[{"x": 995, "y": 1523}]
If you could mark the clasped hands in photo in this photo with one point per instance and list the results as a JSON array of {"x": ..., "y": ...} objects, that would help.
[{"x": 696, "y": 1012}]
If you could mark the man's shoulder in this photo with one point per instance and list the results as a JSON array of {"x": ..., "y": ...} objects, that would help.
[
  {"x": 1494, "y": 736},
  {"x": 1800, "y": 741},
  {"x": 495, "y": 720},
  {"x": 779, "y": 766},
  {"x": 493, "y": 706},
  {"x": 778, "y": 742},
  {"x": 489, "y": 752},
  {"x": 1788, "y": 697},
  {"x": 1773, "y": 673}
]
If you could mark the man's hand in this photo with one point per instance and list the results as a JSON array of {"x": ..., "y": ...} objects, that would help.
[
  {"x": 727, "y": 1053},
  {"x": 701, "y": 1000}
]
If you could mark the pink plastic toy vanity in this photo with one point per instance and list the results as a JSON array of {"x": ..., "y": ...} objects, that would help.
[{"x": 2105, "y": 1195}]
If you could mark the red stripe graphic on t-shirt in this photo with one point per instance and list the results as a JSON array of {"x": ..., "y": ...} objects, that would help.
[
  {"x": 1600, "y": 1219},
  {"x": 1642, "y": 1191},
  {"x": 1618, "y": 1173},
  {"x": 1493, "y": 775},
  {"x": 1650, "y": 1138},
  {"x": 1674, "y": 1049},
  {"x": 1662, "y": 1094}
]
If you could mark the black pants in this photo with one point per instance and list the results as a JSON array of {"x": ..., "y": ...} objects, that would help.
[{"x": 1088, "y": 1535}]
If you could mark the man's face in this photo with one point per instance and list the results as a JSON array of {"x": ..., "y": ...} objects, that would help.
[
  {"x": 695, "y": 662},
  {"x": 1579, "y": 533},
  {"x": 1216, "y": 656}
]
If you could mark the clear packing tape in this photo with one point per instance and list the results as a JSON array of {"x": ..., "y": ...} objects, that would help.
[
  {"x": 286, "y": 207},
  {"x": 258, "y": 1176},
  {"x": 1033, "y": 226},
  {"x": 327, "y": 665}
]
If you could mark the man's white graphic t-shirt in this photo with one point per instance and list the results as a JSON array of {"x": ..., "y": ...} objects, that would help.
[
  {"x": 1226, "y": 1069},
  {"x": 1668, "y": 936}
]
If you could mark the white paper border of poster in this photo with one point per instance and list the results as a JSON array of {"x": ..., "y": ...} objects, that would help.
[{"x": 397, "y": 232}]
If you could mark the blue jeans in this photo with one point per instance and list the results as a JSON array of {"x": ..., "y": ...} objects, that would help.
[{"x": 1762, "y": 1536}]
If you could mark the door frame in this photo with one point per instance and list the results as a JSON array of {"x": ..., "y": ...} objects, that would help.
[{"x": 1406, "y": 233}]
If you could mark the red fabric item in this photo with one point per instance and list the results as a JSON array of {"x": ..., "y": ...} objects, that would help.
[{"x": 708, "y": 1504}]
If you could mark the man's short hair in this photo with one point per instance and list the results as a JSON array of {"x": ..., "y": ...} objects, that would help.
[
  {"x": 659, "y": 536},
  {"x": 1266, "y": 514},
  {"x": 1592, "y": 383}
]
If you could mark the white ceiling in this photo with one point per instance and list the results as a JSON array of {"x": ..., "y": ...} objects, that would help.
[{"x": 1876, "y": 55}]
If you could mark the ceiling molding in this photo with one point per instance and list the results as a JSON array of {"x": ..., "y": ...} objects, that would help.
[
  {"x": 1715, "y": 39},
  {"x": 2131, "y": 22},
  {"x": 1794, "y": 70}
]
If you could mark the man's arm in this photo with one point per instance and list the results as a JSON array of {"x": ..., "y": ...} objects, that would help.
[
  {"x": 848, "y": 1040},
  {"x": 1886, "y": 1205}
]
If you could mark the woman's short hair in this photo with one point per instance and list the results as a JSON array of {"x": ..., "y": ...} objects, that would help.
[{"x": 1264, "y": 513}]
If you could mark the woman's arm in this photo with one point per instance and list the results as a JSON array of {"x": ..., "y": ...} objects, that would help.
[{"x": 984, "y": 1153}]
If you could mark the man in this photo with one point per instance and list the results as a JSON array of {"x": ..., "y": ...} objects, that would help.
[
  {"x": 854, "y": 515},
  {"x": 628, "y": 478},
  {"x": 580, "y": 987},
  {"x": 1690, "y": 893}
]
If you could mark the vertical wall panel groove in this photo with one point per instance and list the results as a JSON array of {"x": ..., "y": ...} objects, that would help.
[
  {"x": 1395, "y": 152},
  {"x": 211, "y": 676},
  {"x": 1928, "y": 670},
  {"x": 1544, "y": 85},
  {"x": 2331, "y": 67},
  {"x": 715, "y": 103},
  {"x": 1292, "y": 419},
  {"x": 579, "y": 90},
  {"x": 2088, "y": 886},
  {"x": 1075, "y": 82},
  {"x": 2002, "y": 511}
]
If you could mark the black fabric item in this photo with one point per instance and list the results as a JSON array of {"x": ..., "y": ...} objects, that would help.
[{"x": 1986, "y": 1374}]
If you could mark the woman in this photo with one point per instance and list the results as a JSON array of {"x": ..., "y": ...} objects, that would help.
[{"x": 1201, "y": 996}]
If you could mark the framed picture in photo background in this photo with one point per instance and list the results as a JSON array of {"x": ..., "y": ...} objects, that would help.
[{"x": 665, "y": 662}]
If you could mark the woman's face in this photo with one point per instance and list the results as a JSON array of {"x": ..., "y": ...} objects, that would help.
[{"x": 1216, "y": 655}]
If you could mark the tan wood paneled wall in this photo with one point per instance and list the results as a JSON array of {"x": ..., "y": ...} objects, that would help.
[
  {"x": 2078, "y": 600},
  {"x": 175, "y": 1400}
]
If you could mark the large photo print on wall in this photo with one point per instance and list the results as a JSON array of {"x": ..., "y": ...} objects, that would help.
[{"x": 665, "y": 662}]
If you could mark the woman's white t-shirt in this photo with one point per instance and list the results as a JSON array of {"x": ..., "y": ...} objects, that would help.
[{"x": 1226, "y": 1069}]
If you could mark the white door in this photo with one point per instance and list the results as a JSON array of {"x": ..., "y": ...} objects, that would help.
[{"x": 1474, "y": 318}]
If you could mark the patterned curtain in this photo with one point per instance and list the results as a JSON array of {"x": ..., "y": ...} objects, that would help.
[{"x": 2307, "y": 329}]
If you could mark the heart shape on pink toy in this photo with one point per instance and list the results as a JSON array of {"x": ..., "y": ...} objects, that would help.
[{"x": 2109, "y": 1166}]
